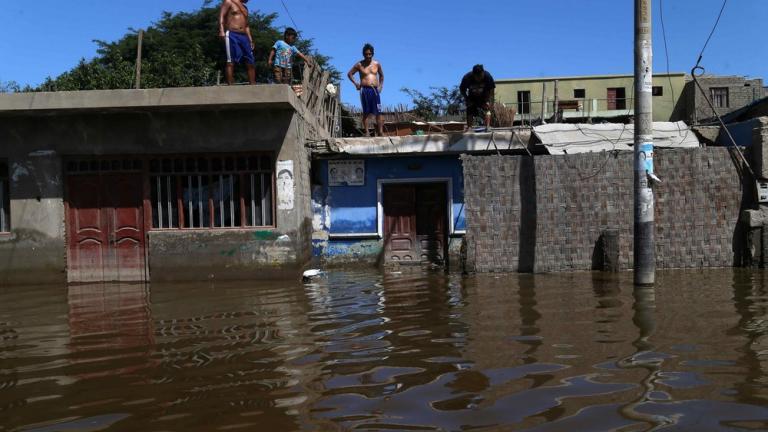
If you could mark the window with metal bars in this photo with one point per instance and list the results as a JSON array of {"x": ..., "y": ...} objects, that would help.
[
  {"x": 720, "y": 97},
  {"x": 233, "y": 191},
  {"x": 5, "y": 199}
]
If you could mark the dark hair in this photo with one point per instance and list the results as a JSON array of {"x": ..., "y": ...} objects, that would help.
[
  {"x": 367, "y": 47},
  {"x": 478, "y": 69},
  {"x": 290, "y": 32},
  {"x": 285, "y": 171}
]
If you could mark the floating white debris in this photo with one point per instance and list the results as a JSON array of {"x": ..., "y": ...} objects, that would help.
[{"x": 311, "y": 274}]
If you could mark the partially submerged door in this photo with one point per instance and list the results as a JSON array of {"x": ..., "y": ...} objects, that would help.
[
  {"x": 431, "y": 221},
  {"x": 105, "y": 228},
  {"x": 415, "y": 223}
]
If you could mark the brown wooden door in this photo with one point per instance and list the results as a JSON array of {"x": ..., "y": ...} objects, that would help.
[
  {"x": 87, "y": 230},
  {"x": 415, "y": 222},
  {"x": 105, "y": 228},
  {"x": 431, "y": 221},
  {"x": 400, "y": 224}
]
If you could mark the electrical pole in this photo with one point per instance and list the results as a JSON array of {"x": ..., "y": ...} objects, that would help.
[
  {"x": 645, "y": 253},
  {"x": 138, "y": 59}
]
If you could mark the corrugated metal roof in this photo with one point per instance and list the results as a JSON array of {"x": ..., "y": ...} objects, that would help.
[
  {"x": 504, "y": 140},
  {"x": 566, "y": 138}
]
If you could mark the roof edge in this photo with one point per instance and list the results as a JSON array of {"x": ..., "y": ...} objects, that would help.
[{"x": 148, "y": 99}]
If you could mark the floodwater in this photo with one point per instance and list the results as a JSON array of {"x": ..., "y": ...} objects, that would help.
[{"x": 408, "y": 351}]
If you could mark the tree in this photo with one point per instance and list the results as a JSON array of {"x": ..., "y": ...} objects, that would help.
[
  {"x": 180, "y": 50},
  {"x": 442, "y": 101},
  {"x": 9, "y": 87}
]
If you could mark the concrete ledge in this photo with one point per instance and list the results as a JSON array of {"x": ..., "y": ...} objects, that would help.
[{"x": 196, "y": 98}]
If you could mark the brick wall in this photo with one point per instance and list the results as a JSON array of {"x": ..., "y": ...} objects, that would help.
[{"x": 546, "y": 214}]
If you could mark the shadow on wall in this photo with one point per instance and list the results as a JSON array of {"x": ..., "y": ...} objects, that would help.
[{"x": 528, "y": 215}]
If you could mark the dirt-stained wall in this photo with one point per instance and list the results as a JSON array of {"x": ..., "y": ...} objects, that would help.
[{"x": 35, "y": 147}]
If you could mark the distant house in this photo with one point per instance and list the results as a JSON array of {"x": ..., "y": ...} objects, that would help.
[
  {"x": 727, "y": 94},
  {"x": 589, "y": 97}
]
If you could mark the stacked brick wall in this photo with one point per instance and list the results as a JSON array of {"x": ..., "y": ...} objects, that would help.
[
  {"x": 546, "y": 214},
  {"x": 741, "y": 92}
]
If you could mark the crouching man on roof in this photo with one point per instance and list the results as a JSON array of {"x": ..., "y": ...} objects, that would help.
[
  {"x": 234, "y": 29},
  {"x": 370, "y": 86},
  {"x": 478, "y": 89}
]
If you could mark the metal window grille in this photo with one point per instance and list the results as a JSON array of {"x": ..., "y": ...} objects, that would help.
[
  {"x": 720, "y": 97},
  {"x": 212, "y": 192}
]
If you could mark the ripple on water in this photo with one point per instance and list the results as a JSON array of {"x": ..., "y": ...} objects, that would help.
[{"x": 414, "y": 351}]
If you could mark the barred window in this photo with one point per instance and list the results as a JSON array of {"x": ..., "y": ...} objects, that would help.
[
  {"x": 212, "y": 192},
  {"x": 5, "y": 199},
  {"x": 720, "y": 97}
]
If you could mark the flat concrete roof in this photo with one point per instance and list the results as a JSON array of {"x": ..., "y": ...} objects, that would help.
[
  {"x": 581, "y": 77},
  {"x": 268, "y": 96}
]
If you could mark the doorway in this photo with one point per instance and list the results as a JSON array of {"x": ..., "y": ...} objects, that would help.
[
  {"x": 415, "y": 223},
  {"x": 106, "y": 234}
]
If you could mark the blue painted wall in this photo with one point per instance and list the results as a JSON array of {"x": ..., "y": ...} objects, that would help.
[
  {"x": 741, "y": 132},
  {"x": 354, "y": 209}
]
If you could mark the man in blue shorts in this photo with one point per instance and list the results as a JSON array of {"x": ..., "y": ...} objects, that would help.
[
  {"x": 370, "y": 86},
  {"x": 234, "y": 29}
]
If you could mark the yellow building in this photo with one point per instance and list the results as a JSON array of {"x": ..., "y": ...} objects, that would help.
[{"x": 590, "y": 97}]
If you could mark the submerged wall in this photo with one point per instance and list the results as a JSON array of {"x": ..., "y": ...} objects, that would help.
[
  {"x": 35, "y": 147},
  {"x": 546, "y": 214},
  {"x": 346, "y": 218}
]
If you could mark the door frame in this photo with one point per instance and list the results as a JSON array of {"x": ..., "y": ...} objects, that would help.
[{"x": 449, "y": 199}]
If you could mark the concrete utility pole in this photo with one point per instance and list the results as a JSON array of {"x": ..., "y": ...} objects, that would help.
[
  {"x": 138, "y": 59},
  {"x": 645, "y": 253}
]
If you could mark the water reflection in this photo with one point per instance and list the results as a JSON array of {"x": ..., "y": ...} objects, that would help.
[{"x": 405, "y": 351}]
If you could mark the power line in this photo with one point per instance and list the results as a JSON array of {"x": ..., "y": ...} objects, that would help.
[
  {"x": 289, "y": 15},
  {"x": 720, "y": 15},
  {"x": 669, "y": 76}
]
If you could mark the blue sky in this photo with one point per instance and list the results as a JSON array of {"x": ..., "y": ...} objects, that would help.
[{"x": 421, "y": 43}]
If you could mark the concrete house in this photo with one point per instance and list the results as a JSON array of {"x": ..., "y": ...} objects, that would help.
[
  {"x": 185, "y": 183},
  {"x": 589, "y": 97},
  {"x": 727, "y": 94},
  {"x": 397, "y": 199}
]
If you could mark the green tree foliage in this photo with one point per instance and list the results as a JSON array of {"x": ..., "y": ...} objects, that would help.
[
  {"x": 180, "y": 50},
  {"x": 442, "y": 101}
]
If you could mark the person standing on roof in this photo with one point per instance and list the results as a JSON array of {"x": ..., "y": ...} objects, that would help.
[
  {"x": 236, "y": 33},
  {"x": 370, "y": 86},
  {"x": 478, "y": 89},
  {"x": 281, "y": 57}
]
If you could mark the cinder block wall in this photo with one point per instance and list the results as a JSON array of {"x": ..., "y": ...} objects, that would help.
[
  {"x": 546, "y": 214},
  {"x": 741, "y": 92}
]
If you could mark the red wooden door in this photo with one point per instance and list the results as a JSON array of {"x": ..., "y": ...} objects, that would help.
[
  {"x": 415, "y": 223},
  {"x": 612, "y": 99},
  {"x": 106, "y": 228},
  {"x": 87, "y": 230},
  {"x": 126, "y": 227}
]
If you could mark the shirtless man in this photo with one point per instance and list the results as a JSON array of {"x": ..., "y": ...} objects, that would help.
[
  {"x": 370, "y": 86},
  {"x": 236, "y": 33}
]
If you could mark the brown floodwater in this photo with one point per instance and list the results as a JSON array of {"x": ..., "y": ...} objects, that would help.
[{"x": 415, "y": 350}]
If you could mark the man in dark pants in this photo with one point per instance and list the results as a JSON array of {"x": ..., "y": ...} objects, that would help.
[{"x": 478, "y": 89}]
